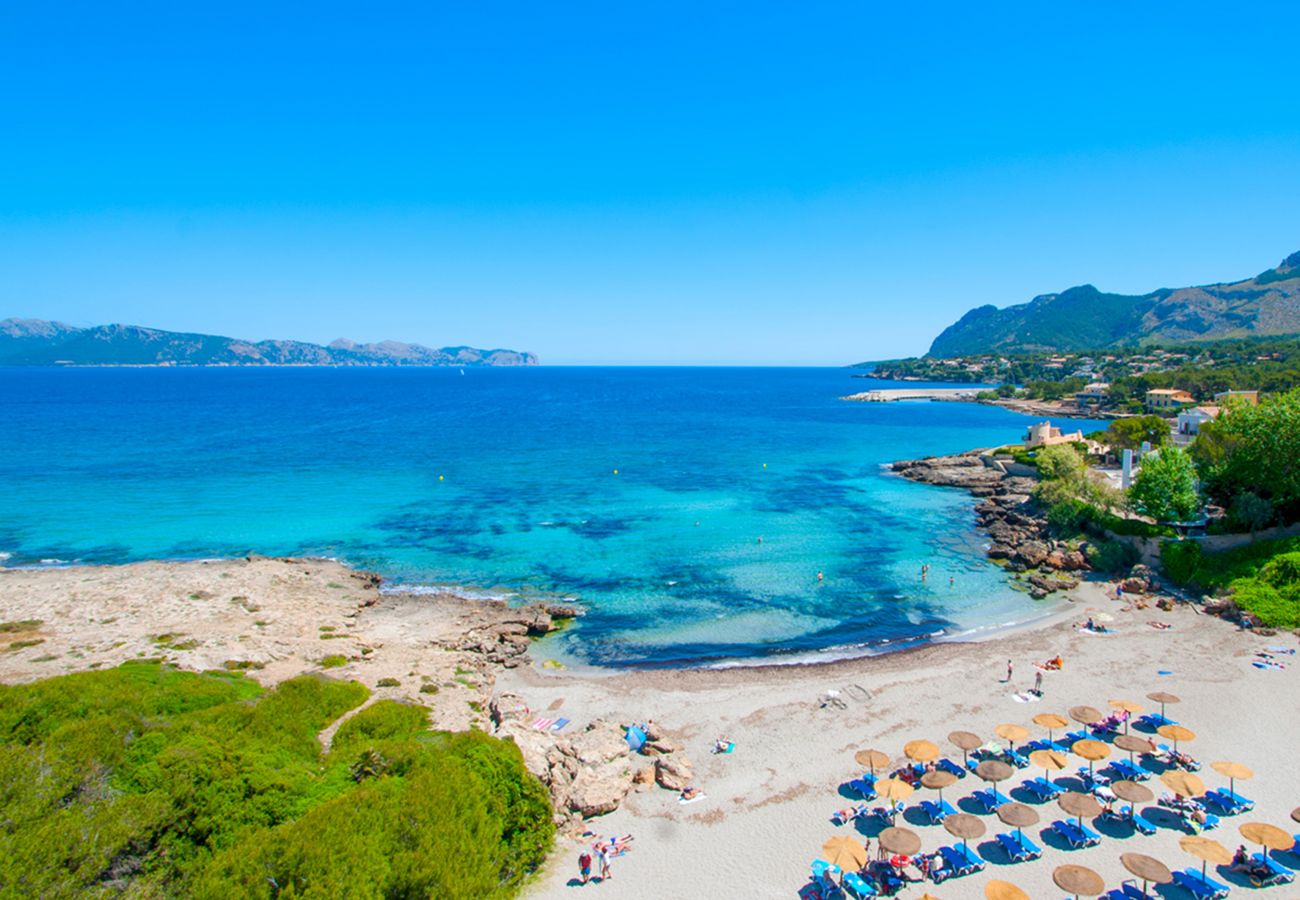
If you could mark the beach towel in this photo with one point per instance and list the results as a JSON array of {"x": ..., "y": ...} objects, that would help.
[
  {"x": 683, "y": 801},
  {"x": 1290, "y": 651},
  {"x": 542, "y": 724},
  {"x": 1026, "y": 697},
  {"x": 1268, "y": 664},
  {"x": 725, "y": 748},
  {"x": 559, "y": 725}
]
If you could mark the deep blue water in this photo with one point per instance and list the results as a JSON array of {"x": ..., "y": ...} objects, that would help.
[{"x": 503, "y": 480}]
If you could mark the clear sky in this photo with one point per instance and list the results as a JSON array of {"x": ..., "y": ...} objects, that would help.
[{"x": 814, "y": 183}]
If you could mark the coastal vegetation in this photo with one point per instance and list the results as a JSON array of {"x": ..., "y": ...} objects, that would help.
[
  {"x": 148, "y": 780},
  {"x": 1262, "y": 577}
]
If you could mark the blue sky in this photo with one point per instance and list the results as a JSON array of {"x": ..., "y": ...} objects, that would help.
[{"x": 812, "y": 183}]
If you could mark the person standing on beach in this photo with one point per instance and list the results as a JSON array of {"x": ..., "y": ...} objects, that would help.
[
  {"x": 584, "y": 866},
  {"x": 605, "y": 874},
  {"x": 1010, "y": 670},
  {"x": 1038, "y": 682}
]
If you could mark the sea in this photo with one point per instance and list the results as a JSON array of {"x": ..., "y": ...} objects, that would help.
[{"x": 700, "y": 516}]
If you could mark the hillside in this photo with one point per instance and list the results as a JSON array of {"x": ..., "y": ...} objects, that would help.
[
  {"x": 1084, "y": 318},
  {"x": 34, "y": 342}
]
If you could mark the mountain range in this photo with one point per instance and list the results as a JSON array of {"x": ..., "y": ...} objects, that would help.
[
  {"x": 1084, "y": 318},
  {"x": 36, "y": 342}
]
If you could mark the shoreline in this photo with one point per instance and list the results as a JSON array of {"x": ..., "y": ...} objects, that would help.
[{"x": 766, "y": 806}]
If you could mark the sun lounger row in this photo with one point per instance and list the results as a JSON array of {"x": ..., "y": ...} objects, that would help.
[
  {"x": 1043, "y": 789},
  {"x": 1124, "y": 815},
  {"x": 1230, "y": 803},
  {"x": 1200, "y": 887},
  {"x": 1278, "y": 873},
  {"x": 1128, "y": 890},
  {"x": 1075, "y": 835},
  {"x": 937, "y": 812},
  {"x": 1019, "y": 847},
  {"x": 958, "y": 860}
]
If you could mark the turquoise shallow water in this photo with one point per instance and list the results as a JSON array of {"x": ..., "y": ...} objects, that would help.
[{"x": 503, "y": 481}]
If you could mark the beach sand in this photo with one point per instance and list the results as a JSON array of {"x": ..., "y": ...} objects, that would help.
[
  {"x": 768, "y": 804},
  {"x": 767, "y": 807}
]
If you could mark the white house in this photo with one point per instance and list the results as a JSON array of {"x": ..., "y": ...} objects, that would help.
[{"x": 1191, "y": 420}]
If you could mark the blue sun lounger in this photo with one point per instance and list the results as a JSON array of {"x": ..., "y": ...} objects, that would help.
[
  {"x": 1075, "y": 836},
  {"x": 1140, "y": 825},
  {"x": 1279, "y": 873},
  {"x": 1230, "y": 803},
  {"x": 990, "y": 798},
  {"x": 1127, "y": 771},
  {"x": 1019, "y": 847},
  {"x": 1045, "y": 744},
  {"x": 937, "y": 811},
  {"x": 957, "y": 863},
  {"x": 1202, "y": 888},
  {"x": 857, "y": 886},
  {"x": 1043, "y": 789},
  {"x": 1128, "y": 890},
  {"x": 1155, "y": 721},
  {"x": 865, "y": 786}
]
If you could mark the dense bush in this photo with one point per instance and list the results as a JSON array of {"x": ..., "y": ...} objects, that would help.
[
  {"x": 155, "y": 782},
  {"x": 1253, "y": 450},
  {"x": 1262, "y": 577}
]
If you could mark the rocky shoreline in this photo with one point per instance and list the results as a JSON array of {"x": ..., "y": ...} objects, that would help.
[{"x": 1019, "y": 537}]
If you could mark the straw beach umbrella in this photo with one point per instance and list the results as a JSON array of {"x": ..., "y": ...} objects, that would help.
[
  {"x": 965, "y": 741},
  {"x": 1148, "y": 868},
  {"x": 1018, "y": 816},
  {"x": 1270, "y": 837},
  {"x": 1184, "y": 784},
  {"x": 1207, "y": 850},
  {"x": 1084, "y": 806},
  {"x": 1012, "y": 734},
  {"x": 993, "y": 771},
  {"x": 899, "y": 840},
  {"x": 1049, "y": 761},
  {"x": 1176, "y": 733},
  {"x": 871, "y": 760},
  {"x": 1079, "y": 881},
  {"x": 1295, "y": 814},
  {"x": 1052, "y": 722},
  {"x": 1127, "y": 706},
  {"x": 1163, "y": 697},
  {"x": 894, "y": 789},
  {"x": 1232, "y": 771},
  {"x": 964, "y": 826},
  {"x": 1133, "y": 744},
  {"x": 1086, "y": 715},
  {"x": 921, "y": 751},
  {"x": 937, "y": 781},
  {"x": 1132, "y": 792},
  {"x": 1003, "y": 890},
  {"x": 1092, "y": 751},
  {"x": 845, "y": 852}
]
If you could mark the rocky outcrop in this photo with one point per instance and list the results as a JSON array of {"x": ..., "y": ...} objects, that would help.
[
  {"x": 1007, "y": 512},
  {"x": 590, "y": 772},
  {"x": 503, "y": 638}
]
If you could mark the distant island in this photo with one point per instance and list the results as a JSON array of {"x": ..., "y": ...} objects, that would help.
[
  {"x": 36, "y": 342},
  {"x": 1086, "y": 319}
]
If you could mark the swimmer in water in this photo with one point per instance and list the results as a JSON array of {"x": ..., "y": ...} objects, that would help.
[{"x": 820, "y": 576}]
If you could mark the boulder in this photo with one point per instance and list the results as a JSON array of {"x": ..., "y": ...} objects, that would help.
[
  {"x": 600, "y": 743},
  {"x": 599, "y": 791},
  {"x": 644, "y": 775},
  {"x": 674, "y": 772},
  {"x": 1032, "y": 553}
]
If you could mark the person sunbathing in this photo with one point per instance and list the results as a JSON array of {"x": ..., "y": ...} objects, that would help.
[
  {"x": 691, "y": 793},
  {"x": 1240, "y": 860}
]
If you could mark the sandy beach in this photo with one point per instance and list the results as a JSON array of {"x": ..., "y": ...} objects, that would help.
[{"x": 767, "y": 805}]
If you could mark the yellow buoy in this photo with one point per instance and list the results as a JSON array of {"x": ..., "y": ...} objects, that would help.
[
  {"x": 764, "y": 465},
  {"x": 440, "y": 478},
  {"x": 616, "y": 471}
]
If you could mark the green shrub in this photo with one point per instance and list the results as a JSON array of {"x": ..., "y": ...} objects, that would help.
[
  {"x": 388, "y": 682},
  {"x": 1276, "y": 608},
  {"x": 145, "y": 781},
  {"x": 1180, "y": 560},
  {"x": 1112, "y": 556},
  {"x": 334, "y": 661}
]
